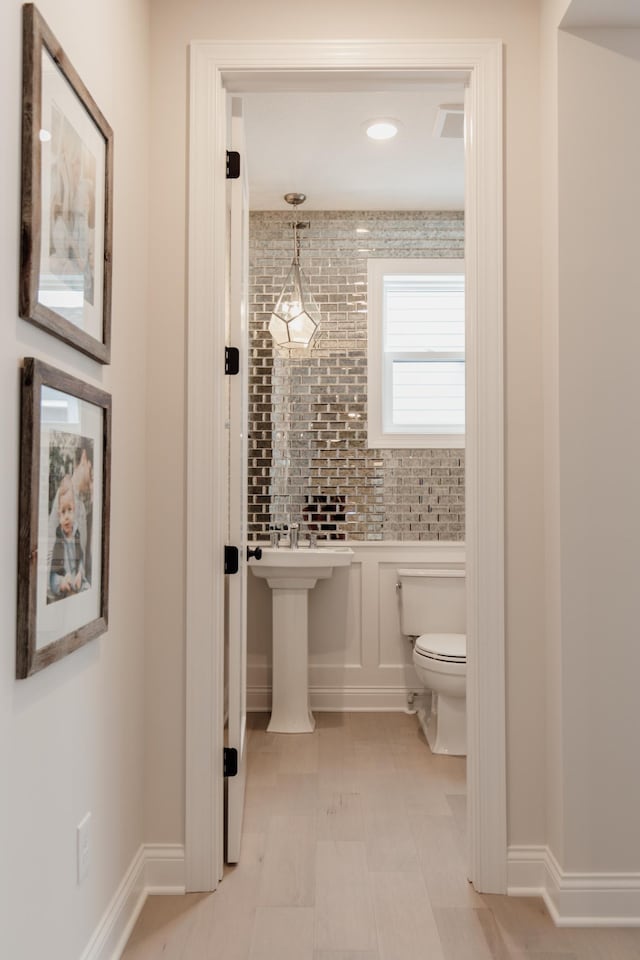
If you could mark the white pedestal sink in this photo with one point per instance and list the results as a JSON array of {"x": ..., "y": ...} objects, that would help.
[{"x": 291, "y": 574}]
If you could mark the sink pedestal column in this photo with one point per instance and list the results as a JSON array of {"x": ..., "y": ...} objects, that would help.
[
  {"x": 290, "y": 711},
  {"x": 291, "y": 574}
]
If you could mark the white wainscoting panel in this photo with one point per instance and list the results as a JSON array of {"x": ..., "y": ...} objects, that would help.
[{"x": 358, "y": 658}]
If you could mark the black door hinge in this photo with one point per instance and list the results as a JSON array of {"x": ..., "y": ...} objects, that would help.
[
  {"x": 230, "y": 559},
  {"x": 229, "y": 762},
  {"x": 233, "y": 164},
  {"x": 231, "y": 361}
]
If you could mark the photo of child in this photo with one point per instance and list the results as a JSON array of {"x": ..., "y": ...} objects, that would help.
[
  {"x": 70, "y": 515},
  {"x": 67, "y": 564}
]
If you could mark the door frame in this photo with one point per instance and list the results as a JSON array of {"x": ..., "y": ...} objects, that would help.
[{"x": 214, "y": 69}]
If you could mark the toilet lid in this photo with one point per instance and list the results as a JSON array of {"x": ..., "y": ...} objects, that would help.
[{"x": 443, "y": 646}]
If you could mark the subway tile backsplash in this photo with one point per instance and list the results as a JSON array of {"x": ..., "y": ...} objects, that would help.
[{"x": 308, "y": 455}]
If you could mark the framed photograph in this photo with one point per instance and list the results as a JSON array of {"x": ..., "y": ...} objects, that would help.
[
  {"x": 67, "y": 198},
  {"x": 63, "y": 544}
]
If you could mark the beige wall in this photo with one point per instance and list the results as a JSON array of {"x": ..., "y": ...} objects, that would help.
[
  {"x": 71, "y": 737},
  {"x": 599, "y": 424},
  {"x": 77, "y": 736},
  {"x": 591, "y": 203},
  {"x": 173, "y": 26}
]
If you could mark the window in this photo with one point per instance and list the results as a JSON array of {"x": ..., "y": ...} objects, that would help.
[{"x": 416, "y": 353}]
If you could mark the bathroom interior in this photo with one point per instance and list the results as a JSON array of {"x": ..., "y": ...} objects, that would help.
[
  {"x": 373, "y": 632},
  {"x": 309, "y": 460}
]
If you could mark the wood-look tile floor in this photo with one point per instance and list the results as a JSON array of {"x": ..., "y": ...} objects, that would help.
[{"x": 353, "y": 849}]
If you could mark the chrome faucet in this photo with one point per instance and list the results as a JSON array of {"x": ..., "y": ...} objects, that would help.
[
  {"x": 293, "y": 535},
  {"x": 274, "y": 534}
]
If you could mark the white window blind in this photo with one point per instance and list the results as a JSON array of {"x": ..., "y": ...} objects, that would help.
[
  {"x": 427, "y": 393},
  {"x": 416, "y": 353},
  {"x": 423, "y": 324}
]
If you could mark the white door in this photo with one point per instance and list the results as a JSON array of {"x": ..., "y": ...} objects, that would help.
[{"x": 238, "y": 418}]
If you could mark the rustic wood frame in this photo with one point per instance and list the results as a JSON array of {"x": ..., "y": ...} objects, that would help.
[
  {"x": 35, "y": 375},
  {"x": 36, "y": 35}
]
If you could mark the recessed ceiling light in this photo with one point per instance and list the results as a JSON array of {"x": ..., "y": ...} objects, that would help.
[{"x": 384, "y": 128}]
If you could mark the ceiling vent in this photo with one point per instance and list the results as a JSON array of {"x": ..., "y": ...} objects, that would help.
[{"x": 449, "y": 123}]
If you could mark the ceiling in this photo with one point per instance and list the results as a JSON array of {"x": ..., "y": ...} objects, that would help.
[
  {"x": 602, "y": 13},
  {"x": 314, "y": 142},
  {"x": 307, "y": 135}
]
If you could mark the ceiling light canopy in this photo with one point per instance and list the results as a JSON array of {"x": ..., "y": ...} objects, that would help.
[{"x": 382, "y": 128}]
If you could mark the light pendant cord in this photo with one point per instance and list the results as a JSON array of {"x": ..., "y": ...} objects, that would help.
[{"x": 296, "y": 243}]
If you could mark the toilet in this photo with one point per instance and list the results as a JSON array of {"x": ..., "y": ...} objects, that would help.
[{"x": 428, "y": 599}]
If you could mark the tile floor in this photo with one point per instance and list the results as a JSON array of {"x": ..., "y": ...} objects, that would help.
[{"x": 353, "y": 849}]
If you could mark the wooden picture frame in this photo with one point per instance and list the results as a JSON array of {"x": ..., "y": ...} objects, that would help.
[
  {"x": 67, "y": 198},
  {"x": 63, "y": 541}
]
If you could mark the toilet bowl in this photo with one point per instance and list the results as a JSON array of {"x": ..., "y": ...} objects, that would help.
[
  {"x": 439, "y": 657},
  {"x": 441, "y": 664}
]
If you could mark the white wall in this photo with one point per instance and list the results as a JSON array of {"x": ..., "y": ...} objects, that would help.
[
  {"x": 599, "y": 346},
  {"x": 173, "y": 26},
  {"x": 71, "y": 737},
  {"x": 76, "y": 736},
  {"x": 358, "y": 656},
  {"x": 591, "y": 205}
]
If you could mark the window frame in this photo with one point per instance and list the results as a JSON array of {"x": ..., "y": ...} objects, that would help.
[{"x": 380, "y": 365}]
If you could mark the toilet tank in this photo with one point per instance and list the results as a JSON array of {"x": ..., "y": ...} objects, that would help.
[{"x": 432, "y": 600}]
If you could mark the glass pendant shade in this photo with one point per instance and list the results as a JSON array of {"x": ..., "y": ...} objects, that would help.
[{"x": 295, "y": 317}]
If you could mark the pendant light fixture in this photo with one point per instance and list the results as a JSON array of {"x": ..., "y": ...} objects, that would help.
[{"x": 295, "y": 317}]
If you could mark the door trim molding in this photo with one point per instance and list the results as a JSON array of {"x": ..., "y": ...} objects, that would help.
[
  {"x": 206, "y": 478},
  {"x": 244, "y": 66}
]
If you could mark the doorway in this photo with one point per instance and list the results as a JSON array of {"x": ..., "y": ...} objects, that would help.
[{"x": 216, "y": 70}]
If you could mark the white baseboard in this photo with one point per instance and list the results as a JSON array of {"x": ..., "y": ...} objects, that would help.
[
  {"x": 164, "y": 868},
  {"x": 155, "y": 869},
  {"x": 337, "y": 698},
  {"x": 574, "y": 899}
]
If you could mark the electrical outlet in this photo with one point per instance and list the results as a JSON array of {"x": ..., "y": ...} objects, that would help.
[{"x": 83, "y": 847}]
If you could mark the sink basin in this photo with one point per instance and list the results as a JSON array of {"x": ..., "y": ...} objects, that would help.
[
  {"x": 329, "y": 556},
  {"x": 280, "y": 565},
  {"x": 291, "y": 574}
]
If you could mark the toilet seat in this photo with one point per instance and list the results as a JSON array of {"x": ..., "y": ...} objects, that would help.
[{"x": 449, "y": 647}]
